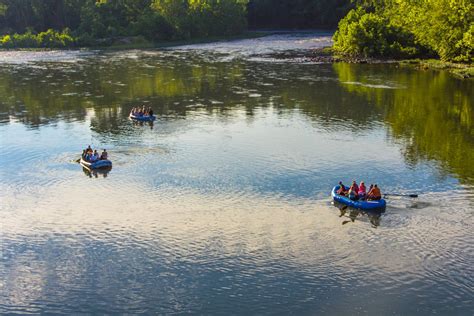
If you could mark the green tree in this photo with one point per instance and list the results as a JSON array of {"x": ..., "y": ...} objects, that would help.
[{"x": 444, "y": 27}]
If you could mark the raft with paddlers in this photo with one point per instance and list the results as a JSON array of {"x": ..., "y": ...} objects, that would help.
[
  {"x": 142, "y": 114},
  {"x": 360, "y": 204},
  {"x": 91, "y": 159}
]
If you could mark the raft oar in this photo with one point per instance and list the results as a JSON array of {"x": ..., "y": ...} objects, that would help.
[{"x": 404, "y": 195}]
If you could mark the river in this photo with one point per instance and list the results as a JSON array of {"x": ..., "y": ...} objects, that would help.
[{"x": 222, "y": 206}]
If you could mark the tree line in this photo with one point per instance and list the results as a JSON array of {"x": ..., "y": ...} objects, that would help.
[
  {"x": 64, "y": 23},
  {"x": 370, "y": 28},
  {"x": 61, "y": 23}
]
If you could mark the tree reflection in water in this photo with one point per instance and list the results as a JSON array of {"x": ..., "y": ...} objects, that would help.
[{"x": 429, "y": 114}]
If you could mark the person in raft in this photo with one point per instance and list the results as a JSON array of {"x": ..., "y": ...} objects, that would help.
[
  {"x": 142, "y": 111},
  {"x": 362, "y": 193},
  {"x": 104, "y": 155},
  {"x": 374, "y": 194},
  {"x": 93, "y": 156},
  {"x": 342, "y": 189},
  {"x": 354, "y": 191},
  {"x": 86, "y": 153}
]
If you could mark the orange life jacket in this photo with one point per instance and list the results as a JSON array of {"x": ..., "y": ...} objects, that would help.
[{"x": 375, "y": 192}]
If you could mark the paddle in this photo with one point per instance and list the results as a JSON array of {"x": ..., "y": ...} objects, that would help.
[{"x": 405, "y": 195}]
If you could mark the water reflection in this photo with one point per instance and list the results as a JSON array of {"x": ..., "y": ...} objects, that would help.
[
  {"x": 351, "y": 213},
  {"x": 95, "y": 173},
  {"x": 430, "y": 113},
  {"x": 140, "y": 123},
  {"x": 223, "y": 204}
]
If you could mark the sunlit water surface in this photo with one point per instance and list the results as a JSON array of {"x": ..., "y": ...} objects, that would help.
[{"x": 222, "y": 206}]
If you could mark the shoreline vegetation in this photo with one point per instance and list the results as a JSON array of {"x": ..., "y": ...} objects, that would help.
[
  {"x": 329, "y": 55},
  {"x": 366, "y": 31},
  {"x": 319, "y": 55}
]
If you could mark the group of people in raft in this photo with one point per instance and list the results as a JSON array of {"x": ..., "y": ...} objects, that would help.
[
  {"x": 92, "y": 156},
  {"x": 142, "y": 111},
  {"x": 359, "y": 192}
]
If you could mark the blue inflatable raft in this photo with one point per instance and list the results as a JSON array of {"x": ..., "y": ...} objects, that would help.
[
  {"x": 360, "y": 204},
  {"x": 143, "y": 118},
  {"x": 96, "y": 165}
]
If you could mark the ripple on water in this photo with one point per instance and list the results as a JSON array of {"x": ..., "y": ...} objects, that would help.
[{"x": 223, "y": 208}]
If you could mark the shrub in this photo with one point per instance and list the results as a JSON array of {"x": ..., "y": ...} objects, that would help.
[
  {"x": 6, "y": 41},
  {"x": 371, "y": 35},
  {"x": 48, "y": 39}
]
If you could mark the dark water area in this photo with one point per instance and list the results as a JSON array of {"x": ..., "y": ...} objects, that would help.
[{"x": 223, "y": 204}]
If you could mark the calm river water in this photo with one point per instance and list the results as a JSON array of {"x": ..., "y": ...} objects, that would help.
[{"x": 223, "y": 206}]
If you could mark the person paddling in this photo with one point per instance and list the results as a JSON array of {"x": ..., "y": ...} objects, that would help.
[
  {"x": 342, "y": 189},
  {"x": 374, "y": 194},
  {"x": 94, "y": 157},
  {"x": 89, "y": 150},
  {"x": 354, "y": 186},
  {"x": 362, "y": 193},
  {"x": 354, "y": 191},
  {"x": 104, "y": 155}
]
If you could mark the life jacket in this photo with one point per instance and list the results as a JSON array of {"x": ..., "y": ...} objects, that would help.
[
  {"x": 376, "y": 192},
  {"x": 354, "y": 187},
  {"x": 341, "y": 190},
  {"x": 362, "y": 189}
]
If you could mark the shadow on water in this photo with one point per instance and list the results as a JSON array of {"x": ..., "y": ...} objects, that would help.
[
  {"x": 96, "y": 173},
  {"x": 141, "y": 124},
  {"x": 352, "y": 214}
]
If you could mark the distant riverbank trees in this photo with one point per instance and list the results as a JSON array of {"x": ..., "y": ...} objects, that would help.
[
  {"x": 368, "y": 28},
  {"x": 404, "y": 28},
  {"x": 60, "y": 23},
  {"x": 65, "y": 23}
]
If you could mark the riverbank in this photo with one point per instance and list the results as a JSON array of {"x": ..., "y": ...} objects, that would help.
[
  {"x": 200, "y": 40},
  {"x": 464, "y": 71},
  {"x": 139, "y": 42},
  {"x": 327, "y": 55}
]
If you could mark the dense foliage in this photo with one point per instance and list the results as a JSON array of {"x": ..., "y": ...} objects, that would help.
[
  {"x": 387, "y": 28},
  {"x": 48, "y": 39},
  {"x": 90, "y": 20},
  {"x": 406, "y": 28}
]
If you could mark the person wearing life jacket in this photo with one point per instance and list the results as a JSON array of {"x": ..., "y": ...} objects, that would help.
[
  {"x": 353, "y": 191},
  {"x": 374, "y": 194},
  {"x": 362, "y": 193},
  {"x": 352, "y": 194},
  {"x": 94, "y": 157},
  {"x": 342, "y": 189},
  {"x": 104, "y": 155},
  {"x": 89, "y": 150},
  {"x": 354, "y": 187}
]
